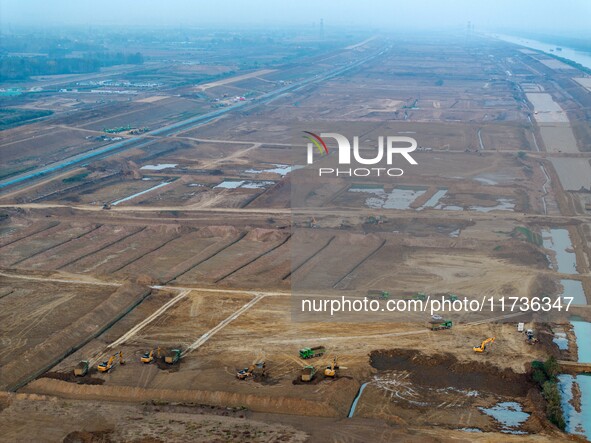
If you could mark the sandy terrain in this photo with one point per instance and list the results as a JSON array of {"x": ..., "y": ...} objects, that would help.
[{"x": 218, "y": 272}]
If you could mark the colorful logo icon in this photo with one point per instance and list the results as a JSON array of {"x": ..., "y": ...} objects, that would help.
[{"x": 317, "y": 141}]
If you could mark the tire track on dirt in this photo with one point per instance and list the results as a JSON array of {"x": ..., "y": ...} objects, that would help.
[
  {"x": 133, "y": 331},
  {"x": 201, "y": 340}
]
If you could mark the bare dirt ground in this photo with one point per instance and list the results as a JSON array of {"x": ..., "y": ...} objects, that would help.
[{"x": 217, "y": 272}]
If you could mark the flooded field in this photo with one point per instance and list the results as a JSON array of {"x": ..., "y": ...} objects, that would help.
[
  {"x": 398, "y": 198},
  {"x": 558, "y": 241},
  {"x": 509, "y": 414},
  {"x": 574, "y": 289}
]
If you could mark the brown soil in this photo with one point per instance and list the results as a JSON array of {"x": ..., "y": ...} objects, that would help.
[
  {"x": 576, "y": 400},
  {"x": 70, "y": 377},
  {"x": 264, "y": 235},
  {"x": 444, "y": 370},
  {"x": 88, "y": 437}
]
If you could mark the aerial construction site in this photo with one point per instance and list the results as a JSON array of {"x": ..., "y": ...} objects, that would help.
[{"x": 162, "y": 236}]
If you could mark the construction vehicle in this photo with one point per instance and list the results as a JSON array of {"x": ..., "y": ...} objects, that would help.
[
  {"x": 172, "y": 356},
  {"x": 420, "y": 296},
  {"x": 258, "y": 369},
  {"x": 378, "y": 294},
  {"x": 148, "y": 357},
  {"x": 81, "y": 368},
  {"x": 331, "y": 371},
  {"x": 317, "y": 351},
  {"x": 106, "y": 366},
  {"x": 484, "y": 344},
  {"x": 308, "y": 373},
  {"x": 245, "y": 373},
  {"x": 531, "y": 339},
  {"x": 438, "y": 324},
  {"x": 373, "y": 220}
]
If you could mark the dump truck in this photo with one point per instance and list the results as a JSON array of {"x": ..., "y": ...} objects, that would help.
[
  {"x": 436, "y": 325},
  {"x": 378, "y": 294},
  {"x": 308, "y": 373},
  {"x": 172, "y": 356},
  {"x": 312, "y": 352},
  {"x": 81, "y": 368}
]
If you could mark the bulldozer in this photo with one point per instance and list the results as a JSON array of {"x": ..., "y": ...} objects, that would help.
[
  {"x": 332, "y": 370},
  {"x": 484, "y": 344},
  {"x": 148, "y": 357},
  {"x": 106, "y": 366}
]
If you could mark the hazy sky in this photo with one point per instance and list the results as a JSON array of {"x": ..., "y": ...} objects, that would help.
[{"x": 536, "y": 15}]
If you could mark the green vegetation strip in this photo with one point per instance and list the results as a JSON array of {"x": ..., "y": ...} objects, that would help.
[{"x": 545, "y": 375}]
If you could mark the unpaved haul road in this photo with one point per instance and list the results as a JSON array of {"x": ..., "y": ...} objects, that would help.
[
  {"x": 315, "y": 212},
  {"x": 222, "y": 324},
  {"x": 133, "y": 331}
]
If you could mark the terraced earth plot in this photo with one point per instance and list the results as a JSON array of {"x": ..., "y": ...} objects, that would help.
[{"x": 162, "y": 228}]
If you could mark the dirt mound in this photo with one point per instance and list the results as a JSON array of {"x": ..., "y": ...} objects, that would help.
[
  {"x": 70, "y": 377},
  {"x": 444, "y": 370},
  {"x": 333, "y": 404},
  {"x": 265, "y": 235},
  {"x": 521, "y": 253},
  {"x": 217, "y": 231},
  {"x": 88, "y": 437},
  {"x": 145, "y": 280}
]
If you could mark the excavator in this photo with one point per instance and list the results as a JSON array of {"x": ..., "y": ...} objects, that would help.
[
  {"x": 106, "y": 366},
  {"x": 148, "y": 357},
  {"x": 256, "y": 370},
  {"x": 331, "y": 371},
  {"x": 484, "y": 344}
]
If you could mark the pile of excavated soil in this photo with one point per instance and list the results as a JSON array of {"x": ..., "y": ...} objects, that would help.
[
  {"x": 265, "y": 235},
  {"x": 70, "y": 377},
  {"x": 334, "y": 403},
  {"x": 444, "y": 370},
  {"x": 523, "y": 254}
]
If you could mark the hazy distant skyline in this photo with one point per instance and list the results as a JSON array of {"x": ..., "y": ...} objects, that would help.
[{"x": 571, "y": 16}]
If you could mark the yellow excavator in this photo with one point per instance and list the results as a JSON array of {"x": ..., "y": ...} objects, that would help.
[
  {"x": 148, "y": 357},
  {"x": 484, "y": 344},
  {"x": 331, "y": 371},
  {"x": 106, "y": 366}
]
